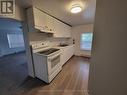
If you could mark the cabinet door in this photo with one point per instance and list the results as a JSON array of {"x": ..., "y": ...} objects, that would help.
[
  {"x": 57, "y": 29},
  {"x": 50, "y": 23},
  {"x": 43, "y": 20},
  {"x": 68, "y": 31},
  {"x": 39, "y": 19},
  {"x": 71, "y": 51},
  {"x": 63, "y": 56},
  {"x": 61, "y": 29},
  {"x": 66, "y": 54}
]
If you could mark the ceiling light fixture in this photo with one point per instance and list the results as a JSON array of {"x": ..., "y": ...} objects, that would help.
[{"x": 76, "y": 9}]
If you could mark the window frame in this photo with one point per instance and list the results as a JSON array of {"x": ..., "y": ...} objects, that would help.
[{"x": 82, "y": 41}]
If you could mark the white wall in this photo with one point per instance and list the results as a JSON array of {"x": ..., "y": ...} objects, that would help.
[
  {"x": 19, "y": 13},
  {"x": 76, "y": 34},
  {"x": 108, "y": 69}
]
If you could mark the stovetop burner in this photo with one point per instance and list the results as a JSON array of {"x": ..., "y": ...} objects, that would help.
[{"x": 49, "y": 51}]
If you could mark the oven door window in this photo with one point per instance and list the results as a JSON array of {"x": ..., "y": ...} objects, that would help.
[{"x": 55, "y": 61}]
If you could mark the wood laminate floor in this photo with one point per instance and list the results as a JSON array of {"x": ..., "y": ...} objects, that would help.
[{"x": 72, "y": 80}]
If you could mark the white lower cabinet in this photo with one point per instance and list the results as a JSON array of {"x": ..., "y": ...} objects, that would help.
[{"x": 66, "y": 53}]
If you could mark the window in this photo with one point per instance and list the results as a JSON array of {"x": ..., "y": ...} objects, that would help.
[
  {"x": 86, "y": 41},
  {"x": 15, "y": 40}
]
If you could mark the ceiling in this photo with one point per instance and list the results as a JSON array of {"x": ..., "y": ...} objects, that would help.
[{"x": 61, "y": 9}]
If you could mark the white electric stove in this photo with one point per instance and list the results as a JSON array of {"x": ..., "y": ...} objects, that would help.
[{"x": 46, "y": 62}]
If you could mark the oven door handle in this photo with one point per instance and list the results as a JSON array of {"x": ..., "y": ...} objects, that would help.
[{"x": 50, "y": 58}]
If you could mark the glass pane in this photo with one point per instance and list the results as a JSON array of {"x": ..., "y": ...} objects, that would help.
[
  {"x": 87, "y": 37},
  {"x": 15, "y": 40},
  {"x": 86, "y": 41}
]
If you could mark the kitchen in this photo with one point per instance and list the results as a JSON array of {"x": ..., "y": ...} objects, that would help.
[
  {"x": 68, "y": 49},
  {"x": 49, "y": 30},
  {"x": 53, "y": 46}
]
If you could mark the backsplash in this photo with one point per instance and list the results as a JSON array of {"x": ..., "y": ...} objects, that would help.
[{"x": 36, "y": 37}]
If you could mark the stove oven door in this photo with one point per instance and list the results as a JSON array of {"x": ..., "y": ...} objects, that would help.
[{"x": 53, "y": 63}]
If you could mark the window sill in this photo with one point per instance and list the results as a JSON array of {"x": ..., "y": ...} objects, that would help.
[{"x": 84, "y": 50}]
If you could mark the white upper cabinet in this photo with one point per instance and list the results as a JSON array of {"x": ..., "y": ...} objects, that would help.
[
  {"x": 50, "y": 23},
  {"x": 58, "y": 28},
  {"x": 61, "y": 29},
  {"x": 46, "y": 23},
  {"x": 67, "y": 31},
  {"x": 39, "y": 19}
]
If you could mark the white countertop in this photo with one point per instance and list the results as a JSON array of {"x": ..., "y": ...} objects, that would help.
[{"x": 60, "y": 47}]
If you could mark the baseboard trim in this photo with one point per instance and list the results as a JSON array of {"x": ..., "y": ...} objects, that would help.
[{"x": 88, "y": 57}]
